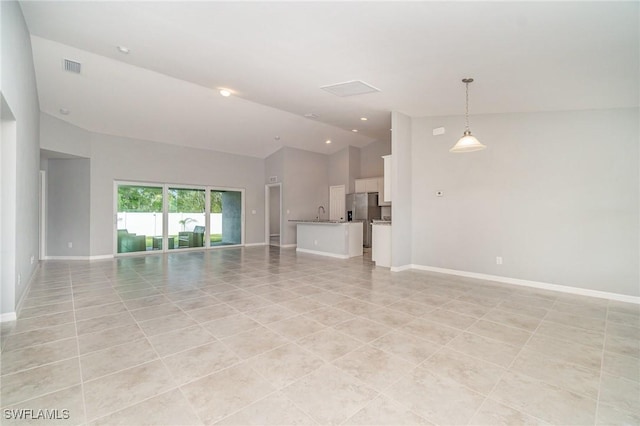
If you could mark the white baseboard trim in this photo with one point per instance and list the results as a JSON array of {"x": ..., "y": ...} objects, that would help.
[
  {"x": 534, "y": 284},
  {"x": 323, "y": 253},
  {"x": 9, "y": 316},
  {"x": 255, "y": 244},
  {"x": 400, "y": 268},
  {"x": 288, "y": 245},
  {"x": 99, "y": 257}
]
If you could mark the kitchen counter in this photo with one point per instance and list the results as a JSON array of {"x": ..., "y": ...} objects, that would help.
[{"x": 329, "y": 238}]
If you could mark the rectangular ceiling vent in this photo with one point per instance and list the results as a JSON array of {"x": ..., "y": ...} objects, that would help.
[
  {"x": 72, "y": 66},
  {"x": 350, "y": 88}
]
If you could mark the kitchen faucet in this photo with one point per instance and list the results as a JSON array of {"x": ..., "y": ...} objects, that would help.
[{"x": 320, "y": 208}]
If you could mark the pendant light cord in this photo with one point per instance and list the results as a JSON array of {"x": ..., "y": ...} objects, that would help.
[{"x": 466, "y": 111}]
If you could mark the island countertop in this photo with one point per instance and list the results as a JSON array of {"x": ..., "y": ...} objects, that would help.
[{"x": 323, "y": 222}]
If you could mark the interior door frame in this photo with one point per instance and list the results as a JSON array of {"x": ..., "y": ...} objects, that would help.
[{"x": 267, "y": 212}]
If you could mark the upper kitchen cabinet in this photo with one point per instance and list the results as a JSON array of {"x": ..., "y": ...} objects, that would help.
[
  {"x": 386, "y": 191},
  {"x": 367, "y": 185}
]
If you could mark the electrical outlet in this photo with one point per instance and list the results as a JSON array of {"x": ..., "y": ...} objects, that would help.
[
  {"x": 70, "y": 244},
  {"x": 32, "y": 259},
  {"x": 315, "y": 242},
  {"x": 19, "y": 279},
  {"x": 498, "y": 260}
]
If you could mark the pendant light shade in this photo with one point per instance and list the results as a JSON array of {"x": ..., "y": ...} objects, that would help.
[{"x": 467, "y": 143}]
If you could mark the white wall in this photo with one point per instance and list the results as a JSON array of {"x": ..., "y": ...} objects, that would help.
[
  {"x": 68, "y": 195},
  {"x": 401, "y": 182},
  {"x": 371, "y": 164},
  {"x": 18, "y": 87},
  {"x": 556, "y": 194}
]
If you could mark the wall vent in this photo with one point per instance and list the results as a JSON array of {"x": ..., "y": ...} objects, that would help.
[{"x": 72, "y": 66}]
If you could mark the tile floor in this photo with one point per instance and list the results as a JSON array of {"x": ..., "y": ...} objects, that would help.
[{"x": 265, "y": 336}]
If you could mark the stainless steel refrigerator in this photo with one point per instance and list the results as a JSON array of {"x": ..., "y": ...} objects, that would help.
[{"x": 363, "y": 206}]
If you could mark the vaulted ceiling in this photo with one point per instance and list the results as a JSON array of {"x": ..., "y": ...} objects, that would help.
[{"x": 275, "y": 57}]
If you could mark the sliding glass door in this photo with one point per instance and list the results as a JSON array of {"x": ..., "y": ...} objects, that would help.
[
  {"x": 162, "y": 217},
  {"x": 139, "y": 218},
  {"x": 186, "y": 218}
]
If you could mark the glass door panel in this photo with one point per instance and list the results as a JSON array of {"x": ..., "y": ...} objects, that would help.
[
  {"x": 139, "y": 218},
  {"x": 186, "y": 218},
  {"x": 226, "y": 218}
]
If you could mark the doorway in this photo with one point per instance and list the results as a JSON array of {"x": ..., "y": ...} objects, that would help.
[
  {"x": 273, "y": 214},
  {"x": 337, "y": 203}
]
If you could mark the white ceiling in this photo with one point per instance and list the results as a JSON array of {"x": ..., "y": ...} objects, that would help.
[{"x": 275, "y": 56}]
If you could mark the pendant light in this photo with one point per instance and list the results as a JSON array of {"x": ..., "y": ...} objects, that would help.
[{"x": 467, "y": 143}]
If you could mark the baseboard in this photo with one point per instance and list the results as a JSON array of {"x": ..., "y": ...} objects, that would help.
[
  {"x": 323, "y": 253},
  {"x": 98, "y": 257},
  {"x": 288, "y": 245},
  {"x": 255, "y": 244},
  {"x": 400, "y": 268},
  {"x": 9, "y": 316},
  {"x": 534, "y": 284}
]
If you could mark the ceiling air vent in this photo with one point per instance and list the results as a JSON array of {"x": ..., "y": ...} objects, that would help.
[
  {"x": 350, "y": 88},
  {"x": 72, "y": 66}
]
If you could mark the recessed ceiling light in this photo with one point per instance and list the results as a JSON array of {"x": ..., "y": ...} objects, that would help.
[
  {"x": 363, "y": 118},
  {"x": 277, "y": 138},
  {"x": 226, "y": 93},
  {"x": 354, "y": 130},
  {"x": 328, "y": 141},
  {"x": 123, "y": 49},
  {"x": 64, "y": 111}
]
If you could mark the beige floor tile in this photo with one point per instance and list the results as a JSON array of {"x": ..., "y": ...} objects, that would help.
[
  {"x": 512, "y": 319},
  {"x": 111, "y": 393},
  {"x": 29, "y": 384},
  {"x": 274, "y": 410},
  {"x": 229, "y": 326},
  {"x": 529, "y": 309},
  {"x": 450, "y": 318},
  {"x": 432, "y": 331},
  {"x": 104, "y": 323},
  {"x": 180, "y": 340},
  {"x": 170, "y": 408},
  {"x": 116, "y": 358},
  {"x": 485, "y": 348},
  {"x": 374, "y": 367},
  {"x": 51, "y": 309},
  {"x": 585, "y": 356},
  {"x": 624, "y": 318},
  {"x": 476, "y": 374},
  {"x": 406, "y": 346},
  {"x": 198, "y": 362},
  {"x": 621, "y": 366},
  {"x": 620, "y": 393},
  {"x": 560, "y": 373},
  {"x": 254, "y": 342},
  {"x": 571, "y": 334},
  {"x": 155, "y": 311},
  {"x": 200, "y": 302},
  {"x": 362, "y": 329},
  {"x": 107, "y": 338},
  {"x": 608, "y": 415},
  {"x": 285, "y": 364},
  {"x": 585, "y": 310},
  {"x": 99, "y": 311},
  {"x": 622, "y": 345},
  {"x": 579, "y": 321},
  {"x": 166, "y": 324},
  {"x": 39, "y": 337},
  {"x": 440, "y": 400},
  {"x": 493, "y": 413},
  {"x": 329, "y": 395},
  {"x": 492, "y": 330},
  {"x": 211, "y": 313},
  {"x": 389, "y": 317},
  {"x": 146, "y": 302},
  {"x": 44, "y": 321},
  {"x": 69, "y": 399},
  {"x": 383, "y": 411},
  {"x": 97, "y": 300},
  {"x": 469, "y": 309},
  {"x": 34, "y": 356},
  {"x": 249, "y": 303},
  {"x": 271, "y": 313},
  {"x": 137, "y": 293},
  {"x": 218, "y": 395},
  {"x": 302, "y": 305},
  {"x": 329, "y": 316},
  {"x": 329, "y": 344},
  {"x": 544, "y": 401},
  {"x": 295, "y": 328},
  {"x": 412, "y": 308},
  {"x": 356, "y": 307}
]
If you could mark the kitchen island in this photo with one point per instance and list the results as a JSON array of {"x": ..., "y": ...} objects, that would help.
[{"x": 329, "y": 238}]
